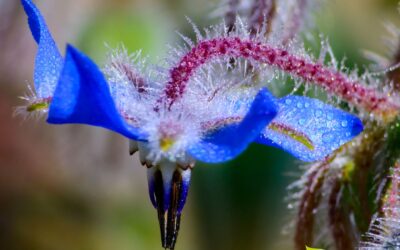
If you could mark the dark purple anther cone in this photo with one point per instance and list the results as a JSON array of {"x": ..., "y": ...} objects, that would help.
[{"x": 168, "y": 189}]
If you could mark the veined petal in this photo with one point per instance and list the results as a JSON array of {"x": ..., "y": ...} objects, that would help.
[
  {"x": 48, "y": 62},
  {"x": 83, "y": 96},
  {"x": 231, "y": 140},
  {"x": 309, "y": 129}
]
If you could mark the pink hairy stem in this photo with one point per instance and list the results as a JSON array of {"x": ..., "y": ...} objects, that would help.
[{"x": 331, "y": 80}]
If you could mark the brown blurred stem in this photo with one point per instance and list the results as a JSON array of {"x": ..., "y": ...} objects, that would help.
[
  {"x": 296, "y": 20},
  {"x": 364, "y": 155},
  {"x": 230, "y": 16},
  {"x": 308, "y": 203},
  {"x": 262, "y": 13},
  {"x": 392, "y": 202},
  {"x": 394, "y": 75},
  {"x": 338, "y": 219}
]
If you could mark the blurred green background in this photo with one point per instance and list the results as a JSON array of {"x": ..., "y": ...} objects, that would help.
[{"x": 73, "y": 187}]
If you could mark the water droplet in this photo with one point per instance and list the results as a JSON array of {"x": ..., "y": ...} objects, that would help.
[
  {"x": 302, "y": 122},
  {"x": 318, "y": 113},
  {"x": 306, "y": 105},
  {"x": 288, "y": 101},
  {"x": 329, "y": 117},
  {"x": 299, "y": 105},
  {"x": 344, "y": 123},
  {"x": 327, "y": 137}
]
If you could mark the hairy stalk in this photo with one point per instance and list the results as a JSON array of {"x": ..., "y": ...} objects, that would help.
[
  {"x": 392, "y": 202},
  {"x": 385, "y": 226},
  {"x": 338, "y": 219},
  {"x": 333, "y": 81},
  {"x": 385, "y": 230},
  {"x": 344, "y": 180},
  {"x": 309, "y": 200},
  {"x": 364, "y": 161}
]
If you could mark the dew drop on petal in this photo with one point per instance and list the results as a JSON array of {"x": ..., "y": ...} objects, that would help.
[
  {"x": 318, "y": 113},
  {"x": 327, "y": 137},
  {"x": 288, "y": 101},
  {"x": 344, "y": 123}
]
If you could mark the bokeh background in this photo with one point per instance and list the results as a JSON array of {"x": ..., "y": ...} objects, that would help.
[{"x": 74, "y": 187}]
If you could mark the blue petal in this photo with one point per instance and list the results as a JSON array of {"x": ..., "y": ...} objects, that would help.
[
  {"x": 83, "y": 96},
  {"x": 48, "y": 62},
  {"x": 325, "y": 127},
  {"x": 229, "y": 141}
]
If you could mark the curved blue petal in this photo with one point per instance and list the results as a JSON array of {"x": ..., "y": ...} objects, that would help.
[
  {"x": 48, "y": 62},
  {"x": 309, "y": 129},
  {"x": 83, "y": 96},
  {"x": 229, "y": 141}
]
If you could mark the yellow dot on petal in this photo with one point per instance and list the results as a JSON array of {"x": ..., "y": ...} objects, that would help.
[{"x": 166, "y": 143}]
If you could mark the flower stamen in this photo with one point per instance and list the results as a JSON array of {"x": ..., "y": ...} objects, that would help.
[{"x": 166, "y": 143}]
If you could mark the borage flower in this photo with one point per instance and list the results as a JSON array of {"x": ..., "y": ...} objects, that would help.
[{"x": 203, "y": 108}]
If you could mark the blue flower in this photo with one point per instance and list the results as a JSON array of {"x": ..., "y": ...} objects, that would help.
[
  {"x": 305, "y": 127},
  {"x": 170, "y": 138}
]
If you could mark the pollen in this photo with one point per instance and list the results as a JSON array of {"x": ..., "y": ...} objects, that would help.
[
  {"x": 166, "y": 143},
  {"x": 37, "y": 106}
]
